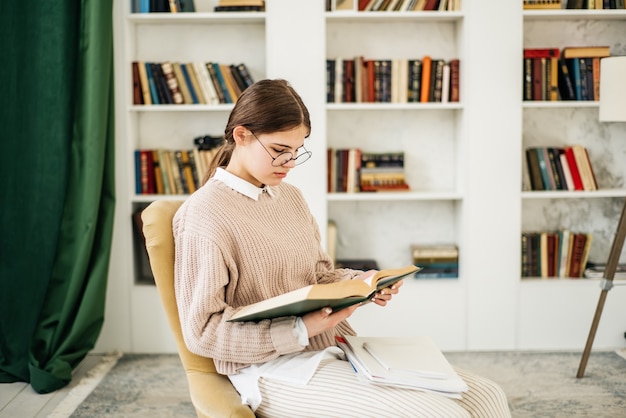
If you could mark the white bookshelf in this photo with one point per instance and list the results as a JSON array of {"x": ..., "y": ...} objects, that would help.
[
  {"x": 564, "y": 308},
  {"x": 464, "y": 163}
]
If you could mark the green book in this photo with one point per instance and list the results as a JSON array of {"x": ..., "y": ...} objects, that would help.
[{"x": 338, "y": 295}]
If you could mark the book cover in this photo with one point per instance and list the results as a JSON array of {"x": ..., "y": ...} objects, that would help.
[
  {"x": 154, "y": 93},
  {"x": 544, "y": 167},
  {"x": 191, "y": 86},
  {"x": 413, "y": 362},
  {"x": 245, "y": 74},
  {"x": 182, "y": 83},
  {"x": 586, "y": 51},
  {"x": 338, "y": 295},
  {"x": 137, "y": 92},
  {"x": 532, "y": 160},
  {"x": 573, "y": 167},
  {"x": 218, "y": 85},
  {"x": 426, "y": 76},
  {"x": 415, "y": 80},
  {"x": 206, "y": 83},
  {"x": 584, "y": 167},
  {"x": 566, "y": 85},
  {"x": 172, "y": 82},
  {"x": 567, "y": 174},
  {"x": 145, "y": 85}
]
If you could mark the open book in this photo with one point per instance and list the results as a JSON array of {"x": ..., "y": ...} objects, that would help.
[
  {"x": 410, "y": 362},
  {"x": 336, "y": 295}
]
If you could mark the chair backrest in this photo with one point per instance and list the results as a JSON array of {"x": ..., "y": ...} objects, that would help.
[
  {"x": 212, "y": 394},
  {"x": 157, "y": 230}
]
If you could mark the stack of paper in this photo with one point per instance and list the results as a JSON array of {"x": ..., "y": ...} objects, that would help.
[{"x": 410, "y": 362}]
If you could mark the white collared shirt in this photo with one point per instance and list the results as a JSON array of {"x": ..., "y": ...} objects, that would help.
[{"x": 240, "y": 185}]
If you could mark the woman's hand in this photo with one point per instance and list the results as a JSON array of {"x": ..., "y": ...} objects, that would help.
[
  {"x": 381, "y": 298},
  {"x": 317, "y": 322}
]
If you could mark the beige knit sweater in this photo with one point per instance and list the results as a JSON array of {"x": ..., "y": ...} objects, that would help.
[{"x": 232, "y": 251}]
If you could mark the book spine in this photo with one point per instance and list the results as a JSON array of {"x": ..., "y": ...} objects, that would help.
[
  {"x": 137, "y": 93},
  {"x": 172, "y": 82},
  {"x": 154, "y": 93},
  {"x": 426, "y": 76}
]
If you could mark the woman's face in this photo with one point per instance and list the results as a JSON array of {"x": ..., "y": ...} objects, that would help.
[{"x": 259, "y": 159}]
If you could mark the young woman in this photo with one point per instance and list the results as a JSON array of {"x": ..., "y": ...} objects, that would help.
[{"x": 246, "y": 236}]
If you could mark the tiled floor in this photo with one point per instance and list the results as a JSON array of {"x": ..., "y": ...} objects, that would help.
[{"x": 19, "y": 400}]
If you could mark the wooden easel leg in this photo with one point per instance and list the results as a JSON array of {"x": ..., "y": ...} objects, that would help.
[{"x": 607, "y": 284}]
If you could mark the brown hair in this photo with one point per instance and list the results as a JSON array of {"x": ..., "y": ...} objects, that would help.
[{"x": 266, "y": 106}]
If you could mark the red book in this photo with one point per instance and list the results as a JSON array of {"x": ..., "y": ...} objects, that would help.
[
  {"x": 454, "y": 80},
  {"x": 573, "y": 168},
  {"x": 578, "y": 250},
  {"x": 542, "y": 53}
]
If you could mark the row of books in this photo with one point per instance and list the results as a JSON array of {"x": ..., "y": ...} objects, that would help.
[
  {"x": 361, "y": 80},
  {"x": 352, "y": 170},
  {"x": 240, "y": 6},
  {"x": 560, "y": 168},
  {"x": 185, "y": 6},
  {"x": 598, "y": 271},
  {"x": 393, "y": 5},
  {"x": 162, "y": 6},
  {"x": 571, "y": 74},
  {"x": 573, "y": 4},
  {"x": 555, "y": 253},
  {"x": 188, "y": 83},
  {"x": 438, "y": 261},
  {"x": 163, "y": 171}
]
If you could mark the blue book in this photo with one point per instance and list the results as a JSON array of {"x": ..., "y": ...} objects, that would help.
[
  {"x": 154, "y": 94},
  {"x": 144, "y": 6},
  {"x": 192, "y": 91},
  {"x": 543, "y": 167},
  {"x": 137, "y": 171},
  {"x": 222, "y": 83},
  {"x": 578, "y": 86}
]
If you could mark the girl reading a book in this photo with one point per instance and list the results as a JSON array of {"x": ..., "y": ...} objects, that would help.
[{"x": 246, "y": 236}]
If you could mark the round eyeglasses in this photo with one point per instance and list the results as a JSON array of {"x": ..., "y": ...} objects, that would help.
[{"x": 284, "y": 157}]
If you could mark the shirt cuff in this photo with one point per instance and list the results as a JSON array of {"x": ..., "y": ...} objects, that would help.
[{"x": 300, "y": 332}]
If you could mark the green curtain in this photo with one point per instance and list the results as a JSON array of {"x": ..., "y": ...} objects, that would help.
[{"x": 58, "y": 196}]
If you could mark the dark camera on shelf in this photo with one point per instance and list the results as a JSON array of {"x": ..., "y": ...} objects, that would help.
[{"x": 207, "y": 142}]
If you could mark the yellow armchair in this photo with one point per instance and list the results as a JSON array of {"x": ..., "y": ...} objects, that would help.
[{"x": 212, "y": 394}]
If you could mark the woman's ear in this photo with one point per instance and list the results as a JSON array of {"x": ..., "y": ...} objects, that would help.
[{"x": 240, "y": 133}]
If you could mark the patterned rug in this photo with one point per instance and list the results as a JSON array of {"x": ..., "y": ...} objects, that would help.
[{"x": 538, "y": 384}]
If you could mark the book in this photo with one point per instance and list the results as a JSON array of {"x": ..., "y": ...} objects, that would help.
[
  {"x": 411, "y": 362},
  {"x": 566, "y": 86},
  {"x": 182, "y": 83},
  {"x": 338, "y": 295},
  {"x": 426, "y": 76},
  {"x": 455, "y": 87},
  {"x": 584, "y": 167},
  {"x": 532, "y": 160},
  {"x": 172, "y": 82},
  {"x": 573, "y": 167},
  {"x": 586, "y": 51},
  {"x": 137, "y": 92},
  {"x": 597, "y": 271}
]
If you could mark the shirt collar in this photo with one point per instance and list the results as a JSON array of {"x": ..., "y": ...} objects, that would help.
[{"x": 240, "y": 185}]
